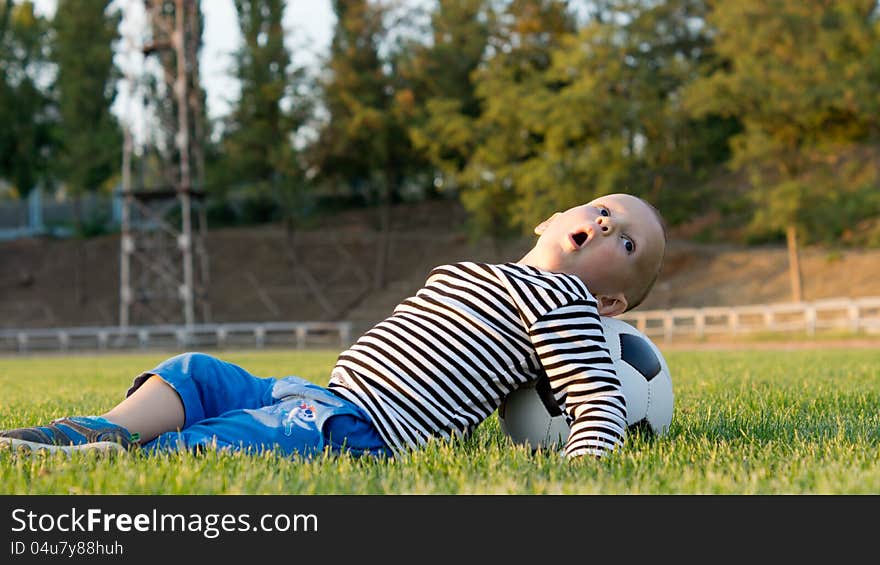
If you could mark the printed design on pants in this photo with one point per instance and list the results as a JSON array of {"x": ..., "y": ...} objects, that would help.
[
  {"x": 302, "y": 415},
  {"x": 288, "y": 415}
]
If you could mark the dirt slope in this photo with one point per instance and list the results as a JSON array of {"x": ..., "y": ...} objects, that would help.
[{"x": 262, "y": 273}]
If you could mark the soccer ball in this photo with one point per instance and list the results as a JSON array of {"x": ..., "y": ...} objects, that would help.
[{"x": 531, "y": 416}]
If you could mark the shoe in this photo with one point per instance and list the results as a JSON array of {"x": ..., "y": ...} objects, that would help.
[{"x": 68, "y": 435}]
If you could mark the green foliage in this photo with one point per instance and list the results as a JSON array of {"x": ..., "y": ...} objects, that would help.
[
  {"x": 745, "y": 422},
  {"x": 518, "y": 107},
  {"x": 89, "y": 136},
  {"x": 802, "y": 78},
  {"x": 506, "y": 168},
  {"x": 362, "y": 146},
  {"x": 569, "y": 111},
  {"x": 26, "y": 111},
  {"x": 439, "y": 75},
  {"x": 257, "y": 154}
]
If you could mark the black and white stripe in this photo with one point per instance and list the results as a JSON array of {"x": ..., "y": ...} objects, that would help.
[{"x": 446, "y": 357}]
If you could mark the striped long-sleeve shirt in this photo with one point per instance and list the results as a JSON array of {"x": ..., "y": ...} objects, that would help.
[{"x": 444, "y": 360}]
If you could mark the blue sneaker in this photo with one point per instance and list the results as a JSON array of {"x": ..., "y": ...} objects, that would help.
[{"x": 76, "y": 433}]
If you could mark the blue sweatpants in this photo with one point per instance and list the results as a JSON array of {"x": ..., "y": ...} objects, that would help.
[{"x": 227, "y": 407}]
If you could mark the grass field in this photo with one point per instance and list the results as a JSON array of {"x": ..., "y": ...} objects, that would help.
[{"x": 746, "y": 422}]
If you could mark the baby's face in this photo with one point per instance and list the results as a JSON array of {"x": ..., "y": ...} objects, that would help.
[{"x": 614, "y": 244}]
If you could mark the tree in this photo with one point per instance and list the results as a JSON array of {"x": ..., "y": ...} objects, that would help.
[
  {"x": 664, "y": 46},
  {"x": 27, "y": 115},
  {"x": 355, "y": 94},
  {"x": 363, "y": 145},
  {"x": 89, "y": 136},
  {"x": 507, "y": 135},
  {"x": 439, "y": 75},
  {"x": 802, "y": 77},
  {"x": 575, "y": 108},
  {"x": 258, "y": 139}
]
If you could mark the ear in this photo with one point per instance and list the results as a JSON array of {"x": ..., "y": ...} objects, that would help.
[
  {"x": 611, "y": 304},
  {"x": 539, "y": 229}
]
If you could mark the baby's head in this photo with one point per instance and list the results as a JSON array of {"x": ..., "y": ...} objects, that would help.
[{"x": 615, "y": 244}]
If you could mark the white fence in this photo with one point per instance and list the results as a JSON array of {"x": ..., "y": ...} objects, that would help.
[
  {"x": 209, "y": 336},
  {"x": 858, "y": 315}
]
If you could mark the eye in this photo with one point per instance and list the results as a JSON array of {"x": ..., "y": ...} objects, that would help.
[
  {"x": 628, "y": 245},
  {"x": 604, "y": 211}
]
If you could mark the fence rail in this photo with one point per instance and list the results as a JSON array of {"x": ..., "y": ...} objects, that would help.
[
  {"x": 860, "y": 315},
  {"x": 210, "y": 336},
  {"x": 807, "y": 318}
]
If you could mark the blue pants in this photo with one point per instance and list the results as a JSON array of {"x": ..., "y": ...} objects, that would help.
[{"x": 227, "y": 407}]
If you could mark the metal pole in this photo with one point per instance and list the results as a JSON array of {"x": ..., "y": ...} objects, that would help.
[
  {"x": 185, "y": 185},
  {"x": 126, "y": 243},
  {"x": 126, "y": 246}
]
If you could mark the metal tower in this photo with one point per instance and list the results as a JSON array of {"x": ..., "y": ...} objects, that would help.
[{"x": 163, "y": 261}]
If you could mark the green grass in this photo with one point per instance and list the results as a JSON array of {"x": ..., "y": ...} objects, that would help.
[{"x": 746, "y": 422}]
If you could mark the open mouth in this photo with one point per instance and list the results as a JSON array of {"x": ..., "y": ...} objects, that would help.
[{"x": 579, "y": 238}]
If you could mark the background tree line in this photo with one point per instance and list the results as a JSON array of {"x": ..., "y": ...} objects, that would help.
[{"x": 759, "y": 117}]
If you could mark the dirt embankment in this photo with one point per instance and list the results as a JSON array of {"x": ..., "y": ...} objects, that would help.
[
  {"x": 262, "y": 273},
  {"x": 714, "y": 275}
]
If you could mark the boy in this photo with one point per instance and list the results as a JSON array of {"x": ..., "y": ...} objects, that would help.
[{"x": 437, "y": 367}]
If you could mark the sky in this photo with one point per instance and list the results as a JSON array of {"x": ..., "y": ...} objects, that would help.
[{"x": 308, "y": 25}]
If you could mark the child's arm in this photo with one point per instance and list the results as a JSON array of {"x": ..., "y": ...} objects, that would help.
[{"x": 571, "y": 347}]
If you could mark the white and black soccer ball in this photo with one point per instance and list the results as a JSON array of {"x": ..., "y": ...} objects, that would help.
[{"x": 531, "y": 416}]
